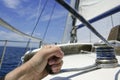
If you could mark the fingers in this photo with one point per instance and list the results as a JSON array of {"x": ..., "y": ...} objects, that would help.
[
  {"x": 54, "y": 60},
  {"x": 55, "y": 64},
  {"x": 57, "y": 67},
  {"x": 53, "y": 54},
  {"x": 52, "y": 50}
]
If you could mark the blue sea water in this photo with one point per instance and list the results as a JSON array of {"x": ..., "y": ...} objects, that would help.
[{"x": 12, "y": 59}]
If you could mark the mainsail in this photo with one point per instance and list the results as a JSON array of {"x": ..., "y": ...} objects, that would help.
[{"x": 93, "y": 8}]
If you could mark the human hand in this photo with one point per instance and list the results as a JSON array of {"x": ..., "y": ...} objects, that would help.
[
  {"x": 47, "y": 55},
  {"x": 35, "y": 67}
]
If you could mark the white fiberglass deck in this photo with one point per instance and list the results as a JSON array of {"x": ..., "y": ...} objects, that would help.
[{"x": 83, "y": 60}]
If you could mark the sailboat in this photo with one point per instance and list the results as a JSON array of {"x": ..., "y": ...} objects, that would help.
[
  {"x": 91, "y": 66},
  {"x": 83, "y": 63}
]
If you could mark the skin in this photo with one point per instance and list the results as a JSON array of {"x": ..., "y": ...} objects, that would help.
[{"x": 34, "y": 69}]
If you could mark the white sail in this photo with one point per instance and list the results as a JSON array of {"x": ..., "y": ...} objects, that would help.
[
  {"x": 92, "y": 8},
  {"x": 103, "y": 13}
]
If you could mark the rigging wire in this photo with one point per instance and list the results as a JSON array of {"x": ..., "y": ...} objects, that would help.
[
  {"x": 39, "y": 15},
  {"x": 112, "y": 22},
  {"x": 37, "y": 24},
  {"x": 51, "y": 15},
  {"x": 3, "y": 54},
  {"x": 37, "y": 21}
]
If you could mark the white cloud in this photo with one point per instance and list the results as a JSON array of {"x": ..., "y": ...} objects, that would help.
[
  {"x": 11, "y": 3},
  {"x": 14, "y": 36},
  {"x": 57, "y": 15},
  {"x": 30, "y": 11},
  {"x": 27, "y": 11},
  {"x": 10, "y": 36}
]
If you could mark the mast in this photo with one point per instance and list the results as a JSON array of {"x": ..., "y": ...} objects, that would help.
[
  {"x": 73, "y": 33},
  {"x": 68, "y": 26}
]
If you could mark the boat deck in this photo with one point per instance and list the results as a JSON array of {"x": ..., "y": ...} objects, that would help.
[{"x": 83, "y": 60}]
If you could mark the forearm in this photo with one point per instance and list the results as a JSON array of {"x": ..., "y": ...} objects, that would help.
[
  {"x": 19, "y": 72},
  {"x": 27, "y": 71}
]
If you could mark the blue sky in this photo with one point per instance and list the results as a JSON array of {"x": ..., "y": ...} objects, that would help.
[{"x": 22, "y": 14}]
